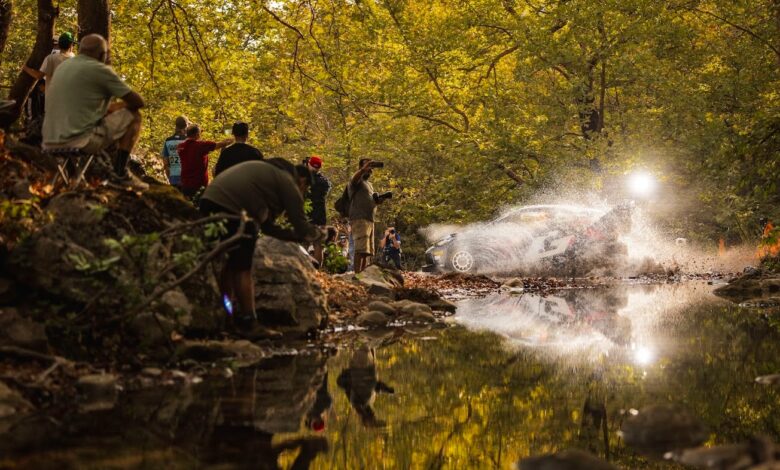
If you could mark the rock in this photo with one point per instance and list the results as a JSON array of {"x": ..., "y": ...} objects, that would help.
[
  {"x": 288, "y": 295},
  {"x": 750, "y": 287},
  {"x": 378, "y": 281},
  {"x": 97, "y": 391},
  {"x": 443, "y": 305},
  {"x": 380, "y": 306},
  {"x": 150, "y": 332},
  {"x": 423, "y": 316},
  {"x": 12, "y": 402},
  {"x": 151, "y": 371},
  {"x": 19, "y": 331},
  {"x": 210, "y": 351},
  {"x": 514, "y": 282},
  {"x": 658, "y": 429},
  {"x": 572, "y": 459},
  {"x": 180, "y": 306},
  {"x": 412, "y": 308},
  {"x": 373, "y": 319},
  {"x": 7, "y": 291}
]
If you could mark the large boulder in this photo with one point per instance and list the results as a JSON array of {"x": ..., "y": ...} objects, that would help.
[
  {"x": 379, "y": 281},
  {"x": 19, "y": 331},
  {"x": 288, "y": 295},
  {"x": 751, "y": 286}
]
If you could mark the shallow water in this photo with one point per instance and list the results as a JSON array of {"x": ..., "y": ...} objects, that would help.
[{"x": 513, "y": 376}]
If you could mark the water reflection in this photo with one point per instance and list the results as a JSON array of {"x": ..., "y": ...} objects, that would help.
[
  {"x": 586, "y": 323},
  {"x": 361, "y": 385},
  {"x": 466, "y": 399}
]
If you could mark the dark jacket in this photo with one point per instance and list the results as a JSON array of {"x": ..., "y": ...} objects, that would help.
[{"x": 317, "y": 195}]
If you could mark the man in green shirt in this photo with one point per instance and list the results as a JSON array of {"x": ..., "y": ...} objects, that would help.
[{"x": 79, "y": 112}]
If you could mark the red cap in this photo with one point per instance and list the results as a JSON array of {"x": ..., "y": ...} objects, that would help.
[
  {"x": 318, "y": 425},
  {"x": 315, "y": 161}
]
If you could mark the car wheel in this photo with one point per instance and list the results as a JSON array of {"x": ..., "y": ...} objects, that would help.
[{"x": 463, "y": 262}]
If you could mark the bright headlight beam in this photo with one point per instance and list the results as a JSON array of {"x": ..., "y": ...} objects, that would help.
[
  {"x": 641, "y": 184},
  {"x": 644, "y": 356}
]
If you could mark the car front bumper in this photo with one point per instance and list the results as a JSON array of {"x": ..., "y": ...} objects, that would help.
[{"x": 435, "y": 259}]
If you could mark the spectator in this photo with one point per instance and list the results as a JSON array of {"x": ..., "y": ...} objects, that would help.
[
  {"x": 79, "y": 113},
  {"x": 53, "y": 60},
  {"x": 33, "y": 112},
  {"x": 170, "y": 151},
  {"x": 317, "y": 194},
  {"x": 194, "y": 158},
  {"x": 362, "y": 209},
  {"x": 391, "y": 247},
  {"x": 239, "y": 152},
  {"x": 264, "y": 190}
]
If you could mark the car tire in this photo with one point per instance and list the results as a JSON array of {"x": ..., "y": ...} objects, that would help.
[{"x": 462, "y": 261}]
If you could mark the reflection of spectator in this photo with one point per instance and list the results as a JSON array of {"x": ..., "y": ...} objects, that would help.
[
  {"x": 317, "y": 415},
  {"x": 361, "y": 384},
  {"x": 391, "y": 247}
]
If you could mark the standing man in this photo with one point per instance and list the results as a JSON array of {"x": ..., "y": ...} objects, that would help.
[
  {"x": 239, "y": 152},
  {"x": 391, "y": 247},
  {"x": 194, "y": 157},
  {"x": 317, "y": 194},
  {"x": 170, "y": 152},
  {"x": 362, "y": 209},
  {"x": 264, "y": 190},
  {"x": 79, "y": 113},
  {"x": 53, "y": 60}
]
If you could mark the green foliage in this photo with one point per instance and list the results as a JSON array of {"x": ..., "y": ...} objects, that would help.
[
  {"x": 473, "y": 105},
  {"x": 334, "y": 262}
]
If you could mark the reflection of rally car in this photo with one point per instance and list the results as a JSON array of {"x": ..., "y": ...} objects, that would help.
[
  {"x": 573, "y": 318},
  {"x": 544, "y": 237}
]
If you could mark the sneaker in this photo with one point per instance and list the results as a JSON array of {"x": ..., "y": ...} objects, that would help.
[{"x": 130, "y": 181}]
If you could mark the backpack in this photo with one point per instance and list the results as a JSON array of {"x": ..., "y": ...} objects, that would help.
[{"x": 343, "y": 202}]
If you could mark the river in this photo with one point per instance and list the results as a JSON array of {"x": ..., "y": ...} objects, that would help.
[{"x": 510, "y": 377}]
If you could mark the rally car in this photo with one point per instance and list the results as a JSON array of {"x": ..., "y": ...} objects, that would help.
[{"x": 558, "y": 239}]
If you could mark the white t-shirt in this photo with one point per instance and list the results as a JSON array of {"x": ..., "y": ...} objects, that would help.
[{"x": 51, "y": 62}]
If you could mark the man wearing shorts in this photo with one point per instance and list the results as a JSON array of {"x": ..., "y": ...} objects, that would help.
[
  {"x": 79, "y": 112},
  {"x": 362, "y": 209},
  {"x": 264, "y": 190}
]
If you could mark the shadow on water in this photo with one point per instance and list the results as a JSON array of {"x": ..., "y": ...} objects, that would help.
[{"x": 516, "y": 376}]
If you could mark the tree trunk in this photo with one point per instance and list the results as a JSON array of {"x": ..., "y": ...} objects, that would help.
[
  {"x": 6, "y": 12},
  {"x": 47, "y": 15},
  {"x": 94, "y": 18}
]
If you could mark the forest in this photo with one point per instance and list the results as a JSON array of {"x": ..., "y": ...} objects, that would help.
[{"x": 475, "y": 105}]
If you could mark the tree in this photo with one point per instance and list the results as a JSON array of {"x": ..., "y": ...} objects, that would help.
[
  {"x": 47, "y": 15},
  {"x": 94, "y": 18},
  {"x": 6, "y": 13}
]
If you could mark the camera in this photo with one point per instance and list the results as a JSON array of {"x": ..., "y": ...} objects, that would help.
[
  {"x": 392, "y": 231},
  {"x": 376, "y": 164},
  {"x": 382, "y": 197}
]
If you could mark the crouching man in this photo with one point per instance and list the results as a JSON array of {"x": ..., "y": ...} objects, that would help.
[
  {"x": 264, "y": 190},
  {"x": 79, "y": 114}
]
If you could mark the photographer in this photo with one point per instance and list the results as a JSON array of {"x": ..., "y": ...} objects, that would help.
[
  {"x": 391, "y": 247},
  {"x": 362, "y": 209}
]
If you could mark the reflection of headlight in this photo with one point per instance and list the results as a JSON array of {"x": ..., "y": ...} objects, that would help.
[{"x": 642, "y": 184}]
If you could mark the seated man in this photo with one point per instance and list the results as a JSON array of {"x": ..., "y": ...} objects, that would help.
[
  {"x": 264, "y": 190},
  {"x": 78, "y": 110}
]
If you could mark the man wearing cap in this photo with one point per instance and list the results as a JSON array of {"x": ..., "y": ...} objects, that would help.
[
  {"x": 170, "y": 151},
  {"x": 239, "y": 152},
  {"x": 317, "y": 194},
  {"x": 194, "y": 155},
  {"x": 53, "y": 60}
]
